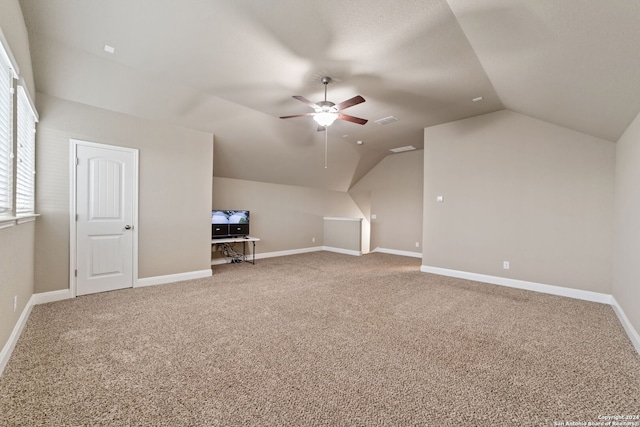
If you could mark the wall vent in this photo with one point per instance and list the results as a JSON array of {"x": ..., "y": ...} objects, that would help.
[{"x": 386, "y": 120}]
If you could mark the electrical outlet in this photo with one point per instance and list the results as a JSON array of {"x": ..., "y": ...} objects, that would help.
[
  {"x": 15, "y": 303},
  {"x": 417, "y": 244},
  {"x": 313, "y": 240},
  {"x": 505, "y": 265},
  {"x": 373, "y": 216}
]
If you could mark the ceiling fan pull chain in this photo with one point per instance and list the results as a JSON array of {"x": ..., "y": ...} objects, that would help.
[{"x": 326, "y": 145}]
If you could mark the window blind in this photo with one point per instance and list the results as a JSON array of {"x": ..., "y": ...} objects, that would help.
[
  {"x": 25, "y": 165},
  {"x": 6, "y": 141}
]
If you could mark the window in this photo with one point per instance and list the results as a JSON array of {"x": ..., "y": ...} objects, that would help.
[
  {"x": 25, "y": 162},
  {"x": 18, "y": 119},
  {"x": 6, "y": 139}
]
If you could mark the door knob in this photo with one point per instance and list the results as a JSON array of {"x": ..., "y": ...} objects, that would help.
[{"x": 128, "y": 227}]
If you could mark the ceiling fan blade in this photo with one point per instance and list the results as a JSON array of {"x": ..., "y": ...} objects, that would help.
[
  {"x": 350, "y": 102},
  {"x": 306, "y": 101},
  {"x": 297, "y": 115},
  {"x": 348, "y": 118}
]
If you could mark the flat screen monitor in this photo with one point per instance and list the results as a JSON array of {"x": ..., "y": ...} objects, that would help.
[{"x": 229, "y": 223}]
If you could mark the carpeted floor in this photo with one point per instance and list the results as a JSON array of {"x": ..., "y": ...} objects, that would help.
[{"x": 320, "y": 339}]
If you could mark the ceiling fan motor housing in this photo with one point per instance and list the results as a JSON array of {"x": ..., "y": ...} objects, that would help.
[{"x": 326, "y": 107}]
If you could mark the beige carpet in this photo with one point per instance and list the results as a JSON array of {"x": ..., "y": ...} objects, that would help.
[{"x": 320, "y": 339}]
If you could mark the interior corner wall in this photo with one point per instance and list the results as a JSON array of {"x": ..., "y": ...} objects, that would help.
[
  {"x": 17, "y": 243},
  {"x": 626, "y": 253},
  {"x": 175, "y": 170},
  {"x": 521, "y": 190},
  {"x": 284, "y": 217},
  {"x": 395, "y": 186}
]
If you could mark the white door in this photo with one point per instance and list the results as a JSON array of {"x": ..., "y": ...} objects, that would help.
[{"x": 105, "y": 190}]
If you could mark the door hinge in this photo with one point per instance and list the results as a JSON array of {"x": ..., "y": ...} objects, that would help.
[
  {"x": 77, "y": 161},
  {"x": 75, "y": 273},
  {"x": 76, "y": 217}
]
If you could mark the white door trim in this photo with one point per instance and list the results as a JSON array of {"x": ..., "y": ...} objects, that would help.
[{"x": 73, "y": 259}]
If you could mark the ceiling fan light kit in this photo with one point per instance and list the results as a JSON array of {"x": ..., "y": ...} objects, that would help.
[{"x": 325, "y": 118}]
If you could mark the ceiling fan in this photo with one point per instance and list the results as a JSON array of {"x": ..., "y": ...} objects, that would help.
[{"x": 327, "y": 112}]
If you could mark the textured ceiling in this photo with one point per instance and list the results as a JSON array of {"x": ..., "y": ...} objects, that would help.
[{"x": 230, "y": 68}]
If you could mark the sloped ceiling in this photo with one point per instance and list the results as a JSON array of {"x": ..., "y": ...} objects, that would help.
[{"x": 231, "y": 67}]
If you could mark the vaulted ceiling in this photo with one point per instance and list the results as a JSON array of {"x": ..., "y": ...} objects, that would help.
[{"x": 231, "y": 68}]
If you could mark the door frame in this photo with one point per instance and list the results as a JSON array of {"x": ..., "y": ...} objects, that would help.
[{"x": 73, "y": 256}]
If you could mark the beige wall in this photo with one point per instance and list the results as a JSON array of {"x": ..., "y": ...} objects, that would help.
[
  {"x": 17, "y": 242},
  {"x": 284, "y": 217},
  {"x": 626, "y": 265},
  {"x": 521, "y": 190},
  {"x": 175, "y": 189},
  {"x": 16, "y": 274},
  {"x": 393, "y": 191}
]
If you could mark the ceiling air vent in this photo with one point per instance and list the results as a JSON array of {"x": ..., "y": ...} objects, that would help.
[
  {"x": 386, "y": 120},
  {"x": 401, "y": 149}
]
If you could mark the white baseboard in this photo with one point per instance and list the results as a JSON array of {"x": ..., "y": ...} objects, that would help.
[
  {"x": 342, "y": 251},
  {"x": 5, "y": 354},
  {"x": 220, "y": 261},
  {"x": 53, "y": 296},
  {"x": 307, "y": 250},
  {"x": 626, "y": 324},
  {"x": 547, "y": 289},
  {"x": 170, "y": 278},
  {"x": 397, "y": 252},
  {"x": 521, "y": 284}
]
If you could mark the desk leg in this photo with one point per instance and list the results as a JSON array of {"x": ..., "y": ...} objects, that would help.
[{"x": 253, "y": 254}]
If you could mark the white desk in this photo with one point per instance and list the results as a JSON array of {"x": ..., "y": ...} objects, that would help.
[{"x": 242, "y": 240}]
